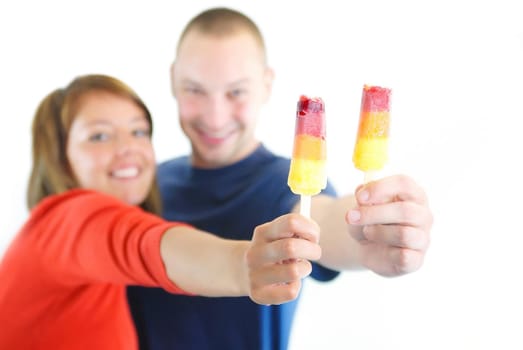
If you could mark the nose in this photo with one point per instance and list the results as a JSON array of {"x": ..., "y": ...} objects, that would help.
[
  {"x": 218, "y": 113},
  {"x": 125, "y": 143}
]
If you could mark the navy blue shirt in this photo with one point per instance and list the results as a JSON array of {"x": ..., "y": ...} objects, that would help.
[{"x": 229, "y": 202}]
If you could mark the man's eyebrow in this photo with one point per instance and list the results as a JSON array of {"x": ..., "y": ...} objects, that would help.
[
  {"x": 190, "y": 82},
  {"x": 239, "y": 82}
]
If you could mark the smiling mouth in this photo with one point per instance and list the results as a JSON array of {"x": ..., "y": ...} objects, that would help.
[
  {"x": 215, "y": 138},
  {"x": 125, "y": 173}
]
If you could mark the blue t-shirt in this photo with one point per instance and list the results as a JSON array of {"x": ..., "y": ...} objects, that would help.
[{"x": 229, "y": 202}]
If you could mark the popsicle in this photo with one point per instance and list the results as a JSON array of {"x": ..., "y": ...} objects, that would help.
[
  {"x": 307, "y": 173},
  {"x": 371, "y": 149}
]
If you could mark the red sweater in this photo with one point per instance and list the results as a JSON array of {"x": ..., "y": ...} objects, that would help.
[{"x": 63, "y": 279}]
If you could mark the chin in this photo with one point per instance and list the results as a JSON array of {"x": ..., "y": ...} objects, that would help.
[{"x": 133, "y": 199}]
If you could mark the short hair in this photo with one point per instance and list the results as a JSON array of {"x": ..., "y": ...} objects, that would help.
[
  {"x": 51, "y": 172},
  {"x": 222, "y": 22}
]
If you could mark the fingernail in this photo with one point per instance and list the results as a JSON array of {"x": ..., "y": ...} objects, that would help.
[
  {"x": 354, "y": 215},
  {"x": 363, "y": 196}
]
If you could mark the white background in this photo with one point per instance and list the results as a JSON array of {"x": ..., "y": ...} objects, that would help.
[{"x": 455, "y": 68}]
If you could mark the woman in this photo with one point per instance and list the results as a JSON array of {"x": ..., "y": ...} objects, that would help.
[{"x": 92, "y": 231}]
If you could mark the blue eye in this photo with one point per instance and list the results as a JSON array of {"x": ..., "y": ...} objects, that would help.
[
  {"x": 145, "y": 132},
  {"x": 235, "y": 93},
  {"x": 193, "y": 90},
  {"x": 99, "y": 137}
]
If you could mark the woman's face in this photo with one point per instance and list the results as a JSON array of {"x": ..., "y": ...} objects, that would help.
[{"x": 109, "y": 148}]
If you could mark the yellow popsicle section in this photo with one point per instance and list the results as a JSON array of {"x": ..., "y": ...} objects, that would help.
[
  {"x": 307, "y": 173},
  {"x": 371, "y": 149}
]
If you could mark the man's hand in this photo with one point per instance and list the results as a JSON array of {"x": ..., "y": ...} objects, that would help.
[{"x": 396, "y": 221}]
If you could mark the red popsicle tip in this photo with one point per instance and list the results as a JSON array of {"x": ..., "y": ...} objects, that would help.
[
  {"x": 310, "y": 105},
  {"x": 310, "y": 117},
  {"x": 375, "y": 98}
]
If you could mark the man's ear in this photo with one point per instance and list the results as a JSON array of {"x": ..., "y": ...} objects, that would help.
[
  {"x": 173, "y": 90},
  {"x": 268, "y": 78}
]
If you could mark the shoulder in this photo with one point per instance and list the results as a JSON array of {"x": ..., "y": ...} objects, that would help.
[
  {"x": 80, "y": 203},
  {"x": 272, "y": 170},
  {"x": 173, "y": 164},
  {"x": 82, "y": 195},
  {"x": 274, "y": 164},
  {"x": 81, "y": 210},
  {"x": 73, "y": 196}
]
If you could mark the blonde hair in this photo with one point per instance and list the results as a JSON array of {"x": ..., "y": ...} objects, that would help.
[
  {"x": 222, "y": 22},
  {"x": 51, "y": 172}
]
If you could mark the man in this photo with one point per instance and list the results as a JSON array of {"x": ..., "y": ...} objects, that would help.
[{"x": 220, "y": 80}]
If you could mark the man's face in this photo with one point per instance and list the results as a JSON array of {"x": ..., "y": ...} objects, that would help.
[{"x": 220, "y": 84}]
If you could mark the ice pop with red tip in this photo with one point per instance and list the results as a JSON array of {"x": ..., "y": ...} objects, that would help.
[
  {"x": 371, "y": 149},
  {"x": 307, "y": 173}
]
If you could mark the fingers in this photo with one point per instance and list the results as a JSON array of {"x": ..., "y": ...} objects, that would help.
[
  {"x": 279, "y": 258},
  {"x": 280, "y": 273},
  {"x": 392, "y": 223},
  {"x": 283, "y": 249},
  {"x": 397, "y": 224},
  {"x": 405, "y": 261},
  {"x": 391, "y": 189},
  {"x": 276, "y": 294},
  {"x": 287, "y": 226},
  {"x": 278, "y": 283},
  {"x": 392, "y": 200},
  {"x": 396, "y": 236},
  {"x": 398, "y": 261},
  {"x": 290, "y": 236},
  {"x": 391, "y": 261},
  {"x": 402, "y": 213}
]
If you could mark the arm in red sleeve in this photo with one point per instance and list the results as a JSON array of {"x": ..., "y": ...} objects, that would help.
[{"x": 88, "y": 237}]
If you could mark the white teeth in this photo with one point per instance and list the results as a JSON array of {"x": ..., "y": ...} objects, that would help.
[{"x": 126, "y": 173}]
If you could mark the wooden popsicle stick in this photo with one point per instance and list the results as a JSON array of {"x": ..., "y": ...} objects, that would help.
[{"x": 305, "y": 205}]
